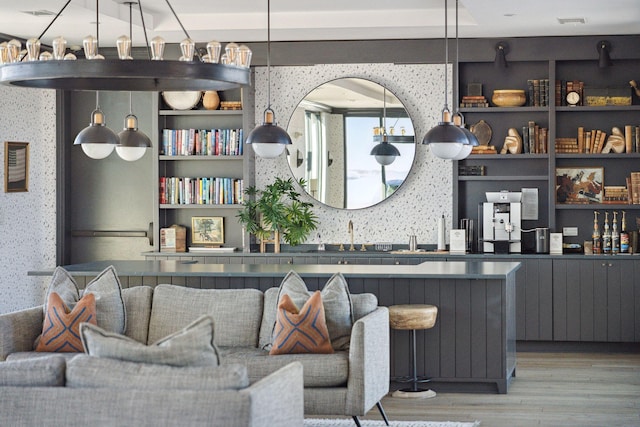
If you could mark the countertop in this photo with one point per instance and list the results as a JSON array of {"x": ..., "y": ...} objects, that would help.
[{"x": 428, "y": 269}]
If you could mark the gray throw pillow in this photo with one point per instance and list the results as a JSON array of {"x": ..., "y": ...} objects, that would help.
[
  {"x": 191, "y": 346},
  {"x": 336, "y": 300},
  {"x": 96, "y": 372},
  {"x": 110, "y": 309},
  {"x": 33, "y": 372}
]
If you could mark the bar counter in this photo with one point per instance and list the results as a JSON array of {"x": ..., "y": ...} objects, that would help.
[{"x": 471, "y": 347}]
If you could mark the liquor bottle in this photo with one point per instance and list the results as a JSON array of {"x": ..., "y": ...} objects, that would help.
[
  {"x": 615, "y": 235},
  {"x": 606, "y": 236},
  {"x": 624, "y": 235},
  {"x": 597, "y": 244}
]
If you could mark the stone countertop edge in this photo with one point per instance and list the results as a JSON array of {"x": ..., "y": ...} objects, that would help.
[{"x": 427, "y": 269}]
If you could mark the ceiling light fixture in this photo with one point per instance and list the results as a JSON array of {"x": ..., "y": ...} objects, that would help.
[
  {"x": 458, "y": 118},
  {"x": 604, "y": 60},
  {"x": 97, "y": 140},
  {"x": 268, "y": 140},
  {"x": 384, "y": 152},
  {"x": 155, "y": 74},
  {"x": 445, "y": 139}
]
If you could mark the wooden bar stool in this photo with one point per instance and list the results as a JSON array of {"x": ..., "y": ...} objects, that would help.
[{"x": 413, "y": 317}]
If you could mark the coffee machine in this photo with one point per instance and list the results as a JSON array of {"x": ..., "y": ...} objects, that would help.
[{"x": 501, "y": 222}]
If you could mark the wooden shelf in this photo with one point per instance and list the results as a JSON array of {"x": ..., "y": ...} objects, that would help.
[
  {"x": 503, "y": 178},
  {"x": 490, "y": 110},
  {"x": 200, "y": 112}
]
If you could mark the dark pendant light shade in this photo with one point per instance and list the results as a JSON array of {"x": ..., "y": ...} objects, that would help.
[
  {"x": 604, "y": 60},
  {"x": 268, "y": 140},
  {"x": 97, "y": 140},
  {"x": 384, "y": 152},
  {"x": 133, "y": 143},
  {"x": 446, "y": 139}
]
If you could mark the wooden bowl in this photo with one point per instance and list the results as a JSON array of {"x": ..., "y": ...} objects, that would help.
[{"x": 509, "y": 98}]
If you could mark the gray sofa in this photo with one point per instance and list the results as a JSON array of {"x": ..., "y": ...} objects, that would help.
[{"x": 346, "y": 382}]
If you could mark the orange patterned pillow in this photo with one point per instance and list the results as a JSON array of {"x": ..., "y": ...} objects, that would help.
[
  {"x": 61, "y": 328},
  {"x": 303, "y": 331}
]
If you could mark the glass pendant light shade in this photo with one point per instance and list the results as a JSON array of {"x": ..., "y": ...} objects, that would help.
[
  {"x": 268, "y": 140},
  {"x": 384, "y": 152},
  {"x": 97, "y": 140},
  {"x": 133, "y": 143},
  {"x": 472, "y": 141}
]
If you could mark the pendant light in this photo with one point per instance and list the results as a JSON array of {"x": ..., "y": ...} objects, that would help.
[
  {"x": 133, "y": 143},
  {"x": 384, "y": 152},
  {"x": 445, "y": 139},
  {"x": 458, "y": 118},
  {"x": 268, "y": 140},
  {"x": 97, "y": 140}
]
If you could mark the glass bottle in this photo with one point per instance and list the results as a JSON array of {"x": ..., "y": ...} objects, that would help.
[
  {"x": 615, "y": 235},
  {"x": 597, "y": 248},
  {"x": 606, "y": 236},
  {"x": 624, "y": 235}
]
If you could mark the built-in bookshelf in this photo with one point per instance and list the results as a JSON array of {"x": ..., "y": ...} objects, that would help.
[{"x": 202, "y": 169}]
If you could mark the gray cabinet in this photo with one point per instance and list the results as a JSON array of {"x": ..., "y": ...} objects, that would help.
[{"x": 596, "y": 300}]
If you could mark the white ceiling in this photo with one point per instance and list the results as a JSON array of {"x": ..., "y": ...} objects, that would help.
[{"x": 246, "y": 20}]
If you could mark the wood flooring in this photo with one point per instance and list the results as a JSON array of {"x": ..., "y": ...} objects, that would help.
[{"x": 550, "y": 389}]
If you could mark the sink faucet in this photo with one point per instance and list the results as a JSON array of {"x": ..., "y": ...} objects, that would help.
[{"x": 351, "y": 247}]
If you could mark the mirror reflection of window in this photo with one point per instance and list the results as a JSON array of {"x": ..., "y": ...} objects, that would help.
[{"x": 333, "y": 132}]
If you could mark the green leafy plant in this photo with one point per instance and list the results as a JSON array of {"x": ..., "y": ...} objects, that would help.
[{"x": 278, "y": 208}]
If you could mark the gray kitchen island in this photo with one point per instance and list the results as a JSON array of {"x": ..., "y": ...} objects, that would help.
[{"x": 471, "y": 348}]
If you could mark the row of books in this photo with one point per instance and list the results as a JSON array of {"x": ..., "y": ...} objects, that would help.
[
  {"x": 473, "y": 101},
  {"x": 565, "y": 86},
  {"x": 535, "y": 138},
  {"x": 202, "y": 142},
  {"x": 596, "y": 141},
  {"x": 538, "y": 90},
  {"x": 615, "y": 194},
  {"x": 201, "y": 191},
  {"x": 633, "y": 188}
]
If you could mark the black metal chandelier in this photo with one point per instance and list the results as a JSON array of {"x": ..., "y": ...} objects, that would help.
[{"x": 61, "y": 70}]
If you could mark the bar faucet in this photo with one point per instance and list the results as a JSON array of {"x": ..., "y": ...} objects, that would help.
[{"x": 351, "y": 247}]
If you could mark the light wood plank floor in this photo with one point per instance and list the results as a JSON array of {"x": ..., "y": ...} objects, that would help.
[{"x": 550, "y": 389}]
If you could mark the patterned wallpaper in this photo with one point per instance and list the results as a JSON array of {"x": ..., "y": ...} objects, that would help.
[
  {"x": 28, "y": 220},
  {"x": 426, "y": 194}
]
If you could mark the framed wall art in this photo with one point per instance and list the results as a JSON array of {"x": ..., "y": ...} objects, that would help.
[
  {"x": 579, "y": 185},
  {"x": 207, "y": 230},
  {"x": 16, "y": 166}
]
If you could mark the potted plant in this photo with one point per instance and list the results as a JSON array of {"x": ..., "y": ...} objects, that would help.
[{"x": 277, "y": 211}]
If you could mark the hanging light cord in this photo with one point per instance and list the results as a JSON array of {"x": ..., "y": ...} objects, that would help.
[
  {"x": 144, "y": 30},
  {"x": 457, "y": 67},
  {"x": 384, "y": 110},
  {"x": 446, "y": 56},
  {"x": 182, "y": 26},
  {"x": 268, "y": 54}
]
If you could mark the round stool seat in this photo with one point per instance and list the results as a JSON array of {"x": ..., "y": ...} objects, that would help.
[{"x": 412, "y": 316}]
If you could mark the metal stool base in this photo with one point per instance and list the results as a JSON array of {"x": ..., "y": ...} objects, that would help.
[{"x": 408, "y": 393}]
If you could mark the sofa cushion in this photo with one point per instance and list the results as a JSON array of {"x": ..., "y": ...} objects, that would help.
[
  {"x": 34, "y": 372},
  {"x": 301, "y": 331},
  {"x": 363, "y": 304},
  {"x": 137, "y": 302},
  {"x": 60, "y": 330},
  {"x": 110, "y": 310},
  {"x": 319, "y": 370},
  {"x": 337, "y": 305},
  {"x": 190, "y": 346},
  {"x": 237, "y": 313},
  {"x": 88, "y": 371}
]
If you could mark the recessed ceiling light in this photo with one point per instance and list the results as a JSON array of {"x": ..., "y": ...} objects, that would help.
[
  {"x": 39, "y": 12},
  {"x": 572, "y": 20}
]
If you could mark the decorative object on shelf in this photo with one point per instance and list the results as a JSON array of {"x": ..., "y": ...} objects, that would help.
[
  {"x": 579, "y": 185},
  {"x": 604, "y": 47},
  {"x": 573, "y": 98},
  {"x": 512, "y": 142},
  {"x": 16, "y": 167},
  {"x": 276, "y": 211},
  {"x": 601, "y": 96},
  {"x": 384, "y": 152},
  {"x": 211, "y": 100},
  {"x": 445, "y": 139},
  {"x": 59, "y": 71},
  {"x": 231, "y": 105},
  {"x": 635, "y": 87},
  {"x": 268, "y": 140},
  {"x": 207, "y": 231},
  {"x": 482, "y": 131},
  {"x": 182, "y": 100},
  {"x": 509, "y": 97},
  {"x": 97, "y": 140},
  {"x": 173, "y": 239},
  {"x": 502, "y": 49},
  {"x": 133, "y": 142},
  {"x": 615, "y": 142}
]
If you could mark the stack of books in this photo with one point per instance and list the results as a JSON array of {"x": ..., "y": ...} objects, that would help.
[{"x": 478, "y": 101}]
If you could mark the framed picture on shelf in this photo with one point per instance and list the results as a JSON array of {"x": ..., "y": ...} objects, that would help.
[
  {"x": 579, "y": 185},
  {"x": 207, "y": 230},
  {"x": 16, "y": 166}
]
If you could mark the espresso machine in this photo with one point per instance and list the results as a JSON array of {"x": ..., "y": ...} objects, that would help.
[{"x": 501, "y": 222}]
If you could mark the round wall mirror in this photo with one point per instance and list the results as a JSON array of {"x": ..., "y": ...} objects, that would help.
[{"x": 353, "y": 143}]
